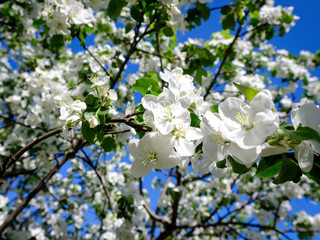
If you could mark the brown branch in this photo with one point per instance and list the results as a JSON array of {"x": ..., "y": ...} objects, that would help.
[
  {"x": 215, "y": 210},
  {"x": 89, "y": 162},
  {"x": 156, "y": 54},
  {"x": 175, "y": 207},
  {"x": 11, "y": 159},
  {"x": 158, "y": 50},
  {"x": 253, "y": 29},
  {"x": 217, "y": 8},
  {"x": 163, "y": 193},
  {"x": 226, "y": 55},
  {"x": 153, "y": 215},
  {"x": 76, "y": 147},
  {"x": 128, "y": 121},
  {"x": 189, "y": 180},
  {"x": 21, "y": 124},
  {"x": 96, "y": 59},
  {"x": 136, "y": 40}
]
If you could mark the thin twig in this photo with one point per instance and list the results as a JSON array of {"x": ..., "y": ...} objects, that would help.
[
  {"x": 11, "y": 159},
  {"x": 226, "y": 55},
  {"x": 79, "y": 144},
  {"x": 89, "y": 162},
  {"x": 163, "y": 193},
  {"x": 96, "y": 59},
  {"x": 154, "y": 216}
]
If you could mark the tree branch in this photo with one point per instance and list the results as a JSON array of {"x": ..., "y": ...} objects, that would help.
[
  {"x": 128, "y": 121},
  {"x": 163, "y": 193},
  {"x": 89, "y": 162},
  {"x": 76, "y": 147},
  {"x": 175, "y": 207},
  {"x": 96, "y": 59},
  {"x": 11, "y": 159},
  {"x": 154, "y": 216},
  {"x": 226, "y": 55}
]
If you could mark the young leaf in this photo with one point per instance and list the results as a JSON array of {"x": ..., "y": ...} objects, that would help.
[
  {"x": 115, "y": 7},
  {"x": 108, "y": 144},
  {"x": 168, "y": 31},
  {"x": 143, "y": 85},
  {"x": 215, "y": 108},
  {"x": 91, "y": 101},
  {"x": 269, "y": 166},
  {"x": 88, "y": 115},
  {"x": 88, "y": 133},
  {"x": 195, "y": 121},
  {"x": 237, "y": 167},
  {"x": 229, "y": 22},
  {"x": 248, "y": 92},
  {"x": 289, "y": 171},
  {"x": 305, "y": 133},
  {"x": 135, "y": 13},
  {"x": 57, "y": 41}
]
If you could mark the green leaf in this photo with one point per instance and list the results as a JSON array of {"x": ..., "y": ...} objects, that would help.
[
  {"x": 88, "y": 133},
  {"x": 304, "y": 133},
  {"x": 289, "y": 171},
  {"x": 237, "y": 167},
  {"x": 269, "y": 167},
  {"x": 248, "y": 92},
  {"x": 57, "y": 41},
  {"x": 145, "y": 85},
  {"x": 195, "y": 121},
  {"x": 135, "y": 13},
  {"x": 204, "y": 11},
  {"x": 82, "y": 37},
  {"x": 215, "y": 108},
  {"x": 229, "y": 22},
  {"x": 167, "y": 31},
  {"x": 108, "y": 144},
  {"x": 128, "y": 27},
  {"x": 88, "y": 115},
  {"x": 115, "y": 7},
  {"x": 206, "y": 58},
  {"x": 222, "y": 164},
  {"x": 225, "y": 10},
  {"x": 282, "y": 31},
  {"x": 91, "y": 101},
  {"x": 286, "y": 18},
  {"x": 37, "y": 23},
  {"x": 314, "y": 174}
]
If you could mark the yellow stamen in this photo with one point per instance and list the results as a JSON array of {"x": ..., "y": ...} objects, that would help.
[
  {"x": 242, "y": 117},
  {"x": 217, "y": 139},
  {"x": 149, "y": 158}
]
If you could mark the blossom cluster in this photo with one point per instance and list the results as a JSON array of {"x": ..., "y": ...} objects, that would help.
[{"x": 238, "y": 129}]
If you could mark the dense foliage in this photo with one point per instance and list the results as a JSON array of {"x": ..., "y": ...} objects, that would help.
[{"x": 227, "y": 127}]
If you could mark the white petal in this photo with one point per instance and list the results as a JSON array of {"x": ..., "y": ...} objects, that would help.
[
  {"x": 308, "y": 115},
  {"x": 184, "y": 147},
  {"x": 133, "y": 148},
  {"x": 304, "y": 154},
  {"x": 139, "y": 170},
  {"x": 246, "y": 157},
  {"x": 261, "y": 102},
  {"x": 194, "y": 134},
  {"x": 148, "y": 101}
]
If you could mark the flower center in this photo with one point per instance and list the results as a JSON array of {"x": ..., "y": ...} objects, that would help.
[
  {"x": 217, "y": 139},
  {"x": 168, "y": 113},
  {"x": 180, "y": 132},
  {"x": 243, "y": 118},
  {"x": 149, "y": 158}
]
